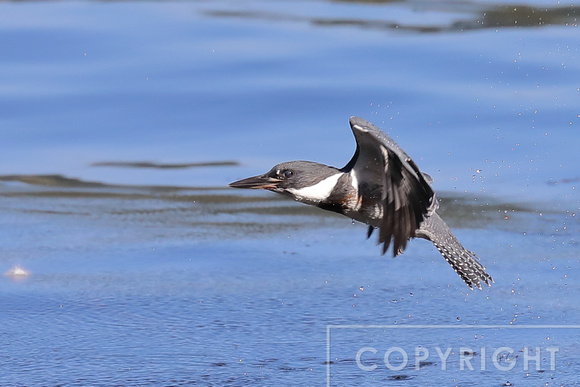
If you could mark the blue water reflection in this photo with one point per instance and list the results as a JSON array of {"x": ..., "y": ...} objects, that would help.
[{"x": 158, "y": 81}]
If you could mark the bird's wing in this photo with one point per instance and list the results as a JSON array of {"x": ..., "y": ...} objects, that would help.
[{"x": 390, "y": 185}]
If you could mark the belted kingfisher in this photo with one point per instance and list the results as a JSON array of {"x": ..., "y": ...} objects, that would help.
[{"x": 380, "y": 186}]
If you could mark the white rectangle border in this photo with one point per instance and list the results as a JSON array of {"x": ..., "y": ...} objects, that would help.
[{"x": 331, "y": 327}]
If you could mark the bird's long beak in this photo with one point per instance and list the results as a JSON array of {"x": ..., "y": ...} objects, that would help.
[{"x": 256, "y": 182}]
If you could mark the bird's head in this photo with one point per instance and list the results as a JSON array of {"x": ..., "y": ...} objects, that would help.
[{"x": 291, "y": 178}]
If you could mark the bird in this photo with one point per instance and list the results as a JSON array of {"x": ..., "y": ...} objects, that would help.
[{"x": 380, "y": 186}]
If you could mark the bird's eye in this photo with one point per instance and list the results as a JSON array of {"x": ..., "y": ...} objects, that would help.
[{"x": 287, "y": 173}]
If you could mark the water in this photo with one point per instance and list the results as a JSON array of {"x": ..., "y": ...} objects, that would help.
[{"x": 143, "y": 268}]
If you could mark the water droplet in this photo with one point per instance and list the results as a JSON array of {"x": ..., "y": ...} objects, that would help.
[{"x": 17, "y": 272}]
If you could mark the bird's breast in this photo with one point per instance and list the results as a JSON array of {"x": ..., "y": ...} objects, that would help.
[
  {"x": 356, "y": 200},
  {"x": 368, "y": 215}
]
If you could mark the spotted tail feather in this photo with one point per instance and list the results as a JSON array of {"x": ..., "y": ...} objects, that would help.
[{"x": 464, "y": 262}]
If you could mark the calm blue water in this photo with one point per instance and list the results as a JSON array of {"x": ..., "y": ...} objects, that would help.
[{"x": 151, "y": 274}]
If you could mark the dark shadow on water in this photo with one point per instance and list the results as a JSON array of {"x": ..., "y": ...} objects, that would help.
[
  {"x": 60, "y": 181},
  {"x": 64, "y": 196},
  {"x": 567, "y": 180},
  {"x": 470, "y": 15},
  {"x": 149, "y": 164}
]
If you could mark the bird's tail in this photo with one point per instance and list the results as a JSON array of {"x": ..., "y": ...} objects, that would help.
[{"x": 464, "y": 262}]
